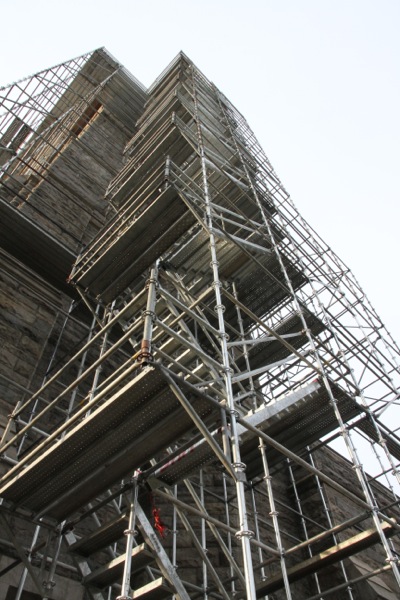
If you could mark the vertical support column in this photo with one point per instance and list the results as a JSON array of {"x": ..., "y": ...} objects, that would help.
[
  {"x": 203, "y": 538},
  {"x": 145, "y": 354},
  {"x": 245, "y": 351},
  {"x": 50, "y": 583},
  {"x": 130, "y": 534},
  {"x": 257, "y": 532},
  {"x": 107, "y": 319},
  {"x": 24, "y": 573},
  {"x": 174, "y": 530},
  {"x": 274, "y": 515},
  {"x": 243, "y": 534},
  {"x": 229, "y": 535},
  {"x": 330, "y": 523},
  {"x": 302, "y": 518}
]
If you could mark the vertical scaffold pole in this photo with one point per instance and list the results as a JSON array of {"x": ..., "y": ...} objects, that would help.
[
  {"x": 149, "y": 314},
  {"x": 274, "y": 514},
  {"x": 130, "y": 535},
  {"x": 243, "y": 534}
]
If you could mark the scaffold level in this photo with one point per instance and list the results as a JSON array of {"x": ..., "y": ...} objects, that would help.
[{"x": 213, "y": 413}]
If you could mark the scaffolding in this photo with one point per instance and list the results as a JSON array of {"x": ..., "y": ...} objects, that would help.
[{"x": 224, "y": 429}]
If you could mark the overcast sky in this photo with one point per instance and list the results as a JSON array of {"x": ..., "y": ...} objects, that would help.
[{"x": 318, "y": 81}]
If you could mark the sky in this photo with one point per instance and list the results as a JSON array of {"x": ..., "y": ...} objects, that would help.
[{"x": 317, "y": 80}]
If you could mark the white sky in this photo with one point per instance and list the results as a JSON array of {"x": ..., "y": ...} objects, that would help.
[{"x": 317, "y": 80}]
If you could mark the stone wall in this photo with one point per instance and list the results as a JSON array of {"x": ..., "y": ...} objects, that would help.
[{"x": 30, "y": 312}]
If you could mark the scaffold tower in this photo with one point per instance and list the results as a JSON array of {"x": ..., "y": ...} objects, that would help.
[{"x": 213, "y": 411}]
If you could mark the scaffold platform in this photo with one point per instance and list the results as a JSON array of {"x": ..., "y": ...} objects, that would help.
[
  {"x": 141, "y": 557},
  {"x": 137, "y": 246},
  {"x": 130, "y": 428},
  {"x": 295, "y": 421},
  {"x": 328, "y": 557},
  {"x": 110, "y": 532},
  {"x": 290, "y": 328},
  {"x": 390, "y": 439}
]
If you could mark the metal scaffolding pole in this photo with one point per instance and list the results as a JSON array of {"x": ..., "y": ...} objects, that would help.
[{"x": 244, "y": 533}]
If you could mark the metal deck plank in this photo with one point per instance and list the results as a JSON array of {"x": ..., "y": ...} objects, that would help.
[
  {"x": 112, "y": 571},
  {"x": 295, "y": 421},
  {"x": 159, "y": 217},
  {"x": 273, "y": 350},
  {"x": 146, "y": 256},
  {"x": 368, "y": 428},
  {"x": 259, "y": 288},
  {"x": 297, "y": 426},
  {"x": 155, "y": 590},
  {"x": 327, "y": 557},
  {"x": 126, "y": 431},
  {"x": 100, "y": 538},
  {"x": 183, "y": 461}
]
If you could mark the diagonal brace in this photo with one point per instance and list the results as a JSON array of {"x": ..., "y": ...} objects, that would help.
[
  {"x": 200, "y": 424},
  {"x": 21, "y": 553}
]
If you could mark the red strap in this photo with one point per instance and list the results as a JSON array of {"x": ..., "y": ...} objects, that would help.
[{"x": 158, "y": 524}]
